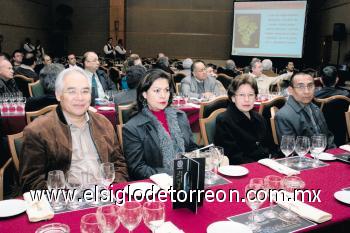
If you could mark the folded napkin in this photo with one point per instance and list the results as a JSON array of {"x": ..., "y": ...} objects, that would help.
[
  {"x": 163, "y": 180},
  {"x": 278, "y": 167},
  {"x": 168, "y": 227},
  {"x": 38, "y": 210},
  {"x": 304, "y": 210},
  {"x": 345, "y": 147}
]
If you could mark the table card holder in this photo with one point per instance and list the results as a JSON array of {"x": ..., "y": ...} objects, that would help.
[{"x": 188, "y": 176}]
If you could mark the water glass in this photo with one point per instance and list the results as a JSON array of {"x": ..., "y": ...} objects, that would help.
[
  {"x": 153, "y": 214},
  {"x": 89, "y": 224},
  {"x": 107, "y": 217},
  {"x": 254, "y": 201},
  {"x": 209, "y": 165},
  {"x": 130, "y": 215},
  {"x": 217, "y": 156},
  {"x": 56, "y": 184},
  {"x": 74, "y": 182},
  {"x": 287, "y": 146},
  {"x": 107, "y": 173},
  {"x": 318, "y": 145},
  {"x": 302, "y": 147},
  {"x": 271, "y": 182}
]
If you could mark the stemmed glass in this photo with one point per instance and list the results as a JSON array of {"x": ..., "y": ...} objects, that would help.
[
  {"x": 107, "y": 173},
  {"x": 318, "y": 145},
  {"x": 130, "y": 215},
  {"x": 56, "y": 183},
  {"x": 209, "y": 165},
  {"x": 217, "y": 156},
  {"x": 254, "y": 201},
  {"x": 153, "y": 214},
  {"x": 287, "y": 146},
  {"x": 107, "y": 217},
  {"x": 302, "y": 147},
  {"x": 258, "y": 181},
  {"x": 290, "y": 184},
  {"x": 89, "y": 224},
  {"x": 271, "y": 182},
  {"x": 74, "y": 182}
]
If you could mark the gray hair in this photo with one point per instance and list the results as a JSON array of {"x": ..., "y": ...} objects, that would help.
[
  {"x": 66, "y": 72},
  {"x": 230, "y": 65},
  {"x": 187, "y": 63},
  {"x": 266, "y": 64},
  {"x": 48, "y": 76},
  {"x": 254, "y": 61}
]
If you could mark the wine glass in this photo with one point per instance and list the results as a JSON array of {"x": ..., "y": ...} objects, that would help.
[
  {"x": 253, "y": 199},
  {"x": 56, "y": 183},
  {"x": 302, "y": 147},
  {"x": 271, "y": 182},
  {"x": 107, "y": 173},
  {"x": 91, "y": 180},
  {"x": 258, "y": 181},
  {"x": 290, "y": 184},
  {"x": 89, "y": 224},
  {"x": 287, "y": 146},
  {"x": 318, "y": 145},
  {"x": 217, "y": 156},
  {"x": 153, "y": 214},
  {"x": 107, "y": 217},
  {"x": 130, "y": 215},
  {"x": 74, "y": 182}
]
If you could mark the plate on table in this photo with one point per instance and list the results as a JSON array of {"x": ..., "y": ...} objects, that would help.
[
  {"x": 343, "y": 196},
  {"x": 106, "y": 108},
  {"x": 228, "y": 227},
  {"x": 53, "y": 228},
  {"x": 325, "y": 156},
  {"x": 233, "y": 170},
  {"x": 12, "y": 207},
  {"x": 141, "y": 188}
]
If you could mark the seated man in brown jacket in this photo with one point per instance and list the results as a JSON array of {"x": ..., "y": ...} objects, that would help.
[{"x": 71, "y": 138}]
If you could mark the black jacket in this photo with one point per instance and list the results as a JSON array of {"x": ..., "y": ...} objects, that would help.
[
  {"x": 106, "y": 82},
  {"x": 37, "y": 103},
  {"x": 326, "y": 92},
  {"x": 244, "y": 140},
  {"x": 8, "y": 86},
  {"x": 141, "y": 145}
]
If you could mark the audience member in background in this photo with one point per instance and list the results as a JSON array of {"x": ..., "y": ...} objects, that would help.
[
  {"x": 7, "y": 83},
  {"x": 39, "y": 50},
  {"x": 47, "y": 79},
  {"x": 46, "y": 61},
  {"x": 120, "y": 50},
  {"x": 108, "y": 49},
  {"x": 27, "y": 67},
  {"x": 265, "y": 82},
  {"x": 230, "y": 69},
  {"x": 211, "y": 70},
  {"x": 329, "y": 80},
  {"x": 73, "y": 139},
  {"x": 199, "y": 85},
  {"x": 153, "y": 137},
  {"x": 163, "y": 64},
  {"x": 186, "y": 66},
  {"x": 17, "y": 57},
  {"x": 72, "y": 61},
  {"x": 28, "y": 47},
  {"x": 290, "y": 69},
  {"x": 159, "y": 55},
  {"x": 100, "y": 82},
  {"x": 134, "y": 75},
  {"x": 299, "y": 116},
  {"x": 241, "y": 131},
  {"x": 267, "y": 68}
]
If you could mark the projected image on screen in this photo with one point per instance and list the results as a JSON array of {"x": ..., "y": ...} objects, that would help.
[
  {"x": 248, "y": 31},
  {"x": 270, "y": 29}
]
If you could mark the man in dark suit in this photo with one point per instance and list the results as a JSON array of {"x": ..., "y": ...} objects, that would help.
[
  {"x": 27, "y": 67},
  {"x": 72, "y": 61},
  {"x": 329, "y": 80},
  {"x": 100, "y": 82}
]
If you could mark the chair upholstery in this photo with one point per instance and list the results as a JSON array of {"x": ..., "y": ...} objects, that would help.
[
  {"x": 32, "y": 115},
  {"x": 22, "y": 83},
  {"x": 36, "y": 89},
  {"x": 334, "y": 109},
  {"x": 208, "y": 125},
  {"x": 125, "y": 112},
  {"x": 225, "y": 80},
  {"x": 178, "y": 77},
  {"x": 206, "y": 108},
  {"x": 347, "y": 119},
  {"x": 273, "y": 111}
]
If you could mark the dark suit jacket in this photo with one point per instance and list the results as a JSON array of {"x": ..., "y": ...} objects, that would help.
[
  {"x": 244, "y": 140},
  {"x": 37, "y": 103},
  {"x": 28, "y": 73},
  {"x": 330, "y": 91},
  {"x": 106, "y": 82}
]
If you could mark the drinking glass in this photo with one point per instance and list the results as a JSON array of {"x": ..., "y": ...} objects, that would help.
[
  {"x": 93, "y": 181},
  {"x": 287, "y": 146},
  {"x": 209, "y": 165},
  {"x": 153, "y": 214},
  {"x": 271, "y": 182},
  {"x": 107, "y": 217},
  {"x": 302, "y": 147},
  {"x": 318, "y": 145},
  {"x": 107, "y": 173},
  {"x": 130, "y": 215},
  {"x": 290, "y": 184},
  {"x": 74, "y": 182},
  {"x": 90, "y": 224},
  {"x": 56, "y": 184},
  {"x": 253, "y": 200},
  {"x": 258, "y": 181},
  {"x": 217, "y": 156}
]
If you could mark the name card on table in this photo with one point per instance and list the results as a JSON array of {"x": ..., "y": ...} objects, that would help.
[{"x": 188, "y": 179}]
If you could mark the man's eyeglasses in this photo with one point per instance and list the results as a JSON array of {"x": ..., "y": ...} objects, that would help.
[
  {"x": 243, "y": 96},
  {"x": 309, "y": 86},
  {"x": 74, "y": 92}
]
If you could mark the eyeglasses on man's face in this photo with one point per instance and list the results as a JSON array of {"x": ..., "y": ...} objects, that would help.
[{"x": 303, "y": 87}]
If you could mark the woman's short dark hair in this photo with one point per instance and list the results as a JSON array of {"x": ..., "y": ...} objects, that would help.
[
  {"x": 239, "y": 81},
  {"x": 151, "y": 76}
]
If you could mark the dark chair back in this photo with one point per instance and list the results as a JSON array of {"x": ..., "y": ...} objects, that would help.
[
  {"x": 206, "y": 108},
  {"x": 22, "y": 84},
  {"x": 178, "y": 77},
  {"x": 225, "y": 80}
]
